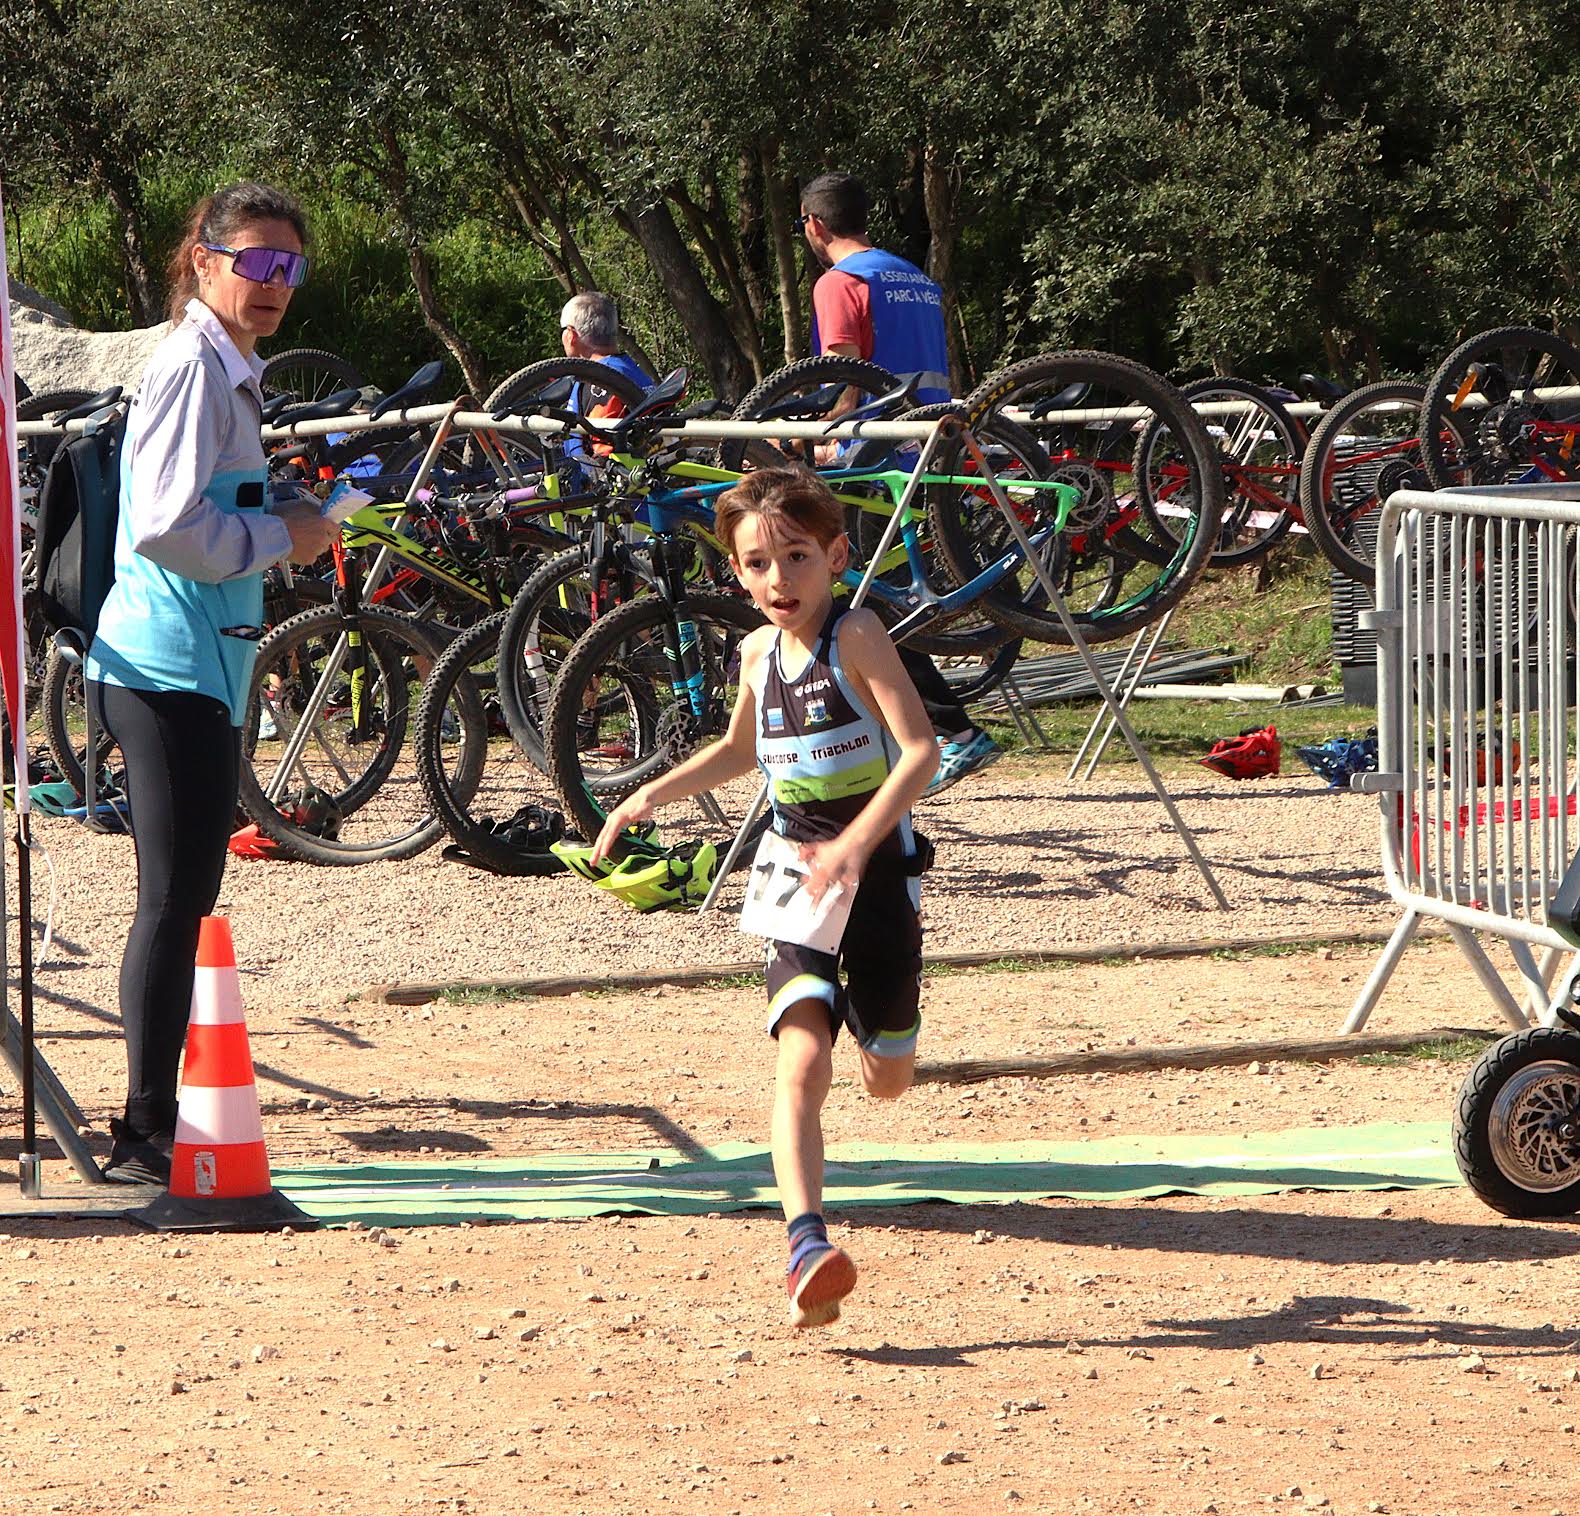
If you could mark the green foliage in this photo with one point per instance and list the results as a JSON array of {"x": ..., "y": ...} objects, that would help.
[{"x": 1348, "y": 185}]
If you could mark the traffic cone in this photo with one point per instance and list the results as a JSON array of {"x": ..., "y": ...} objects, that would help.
[{"x": 219, "y": 1170}]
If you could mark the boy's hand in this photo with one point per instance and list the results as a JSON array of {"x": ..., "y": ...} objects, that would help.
[
  {"x": 829, "y": 863},
  {"x": 635, "y": 807}
]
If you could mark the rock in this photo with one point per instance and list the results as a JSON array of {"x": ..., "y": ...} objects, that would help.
[
  {"x": 1474, "y": 1364},
  {"x": 1318, "y": 1371},
  {"x": 981, "y": 1236},
  {"x": 1090, "y": 1373},
  {"x": 745, "y": 1354},
  {"x": 50, "y": 353},
  {"x": 952, "y": 1456},
  {"x": 483, "y": 1333},
  {"x": 1255, "y": 1359},
  {"x": 263, "y": 1352}
]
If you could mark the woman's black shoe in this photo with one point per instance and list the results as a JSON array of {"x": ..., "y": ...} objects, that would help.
[{"x": 138, "y": 1160}]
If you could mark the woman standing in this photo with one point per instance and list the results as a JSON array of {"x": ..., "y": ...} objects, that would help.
[{"x": 172, "y": 660}]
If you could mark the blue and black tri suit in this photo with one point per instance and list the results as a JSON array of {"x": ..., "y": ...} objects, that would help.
[{"x": 824, "y": 753}]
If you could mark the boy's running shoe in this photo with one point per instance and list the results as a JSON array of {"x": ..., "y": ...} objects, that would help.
[
  {"x": 818, "y": 1286},
  {"x": 958, "y": 758}
]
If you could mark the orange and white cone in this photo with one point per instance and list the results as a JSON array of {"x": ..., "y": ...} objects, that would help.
[{"x": 219, "y": 1169}]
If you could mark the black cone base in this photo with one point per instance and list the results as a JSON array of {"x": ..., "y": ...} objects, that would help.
[{"x": 253, "y": 1213}]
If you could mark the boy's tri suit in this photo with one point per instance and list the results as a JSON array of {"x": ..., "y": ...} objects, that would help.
[{"x": 825, "y": 753}]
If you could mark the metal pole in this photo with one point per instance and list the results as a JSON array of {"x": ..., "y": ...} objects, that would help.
[{"x": 1056, "y": 600}]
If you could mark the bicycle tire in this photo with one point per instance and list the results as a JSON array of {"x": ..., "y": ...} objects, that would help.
[
  {"x": 330, "y": 372},
  {"x": 614, "y": 690},
  {"x": 293, "y": 654},
  {"x": 1361, "y": 451},
  {"x": 62, "y": 713},
  {"x": 804, "y": 377},
  {"x": 1103, "y": 534},
  {"x": 539, "y": 452},
  {"x": 968, "y": 634},
  {"x": 466, "y": 770},
  {"x": 553, "y": 605},
  {"x": 1514, "y": 435},
  {"x": 1262, "y": 450},
  {"x": 34, "y": 453}
]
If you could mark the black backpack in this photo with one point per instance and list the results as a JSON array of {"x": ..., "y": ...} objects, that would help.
[{"x": 79, "y": 505}]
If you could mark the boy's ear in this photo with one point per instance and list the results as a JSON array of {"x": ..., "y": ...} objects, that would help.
[{"x": 839, "y": 553}]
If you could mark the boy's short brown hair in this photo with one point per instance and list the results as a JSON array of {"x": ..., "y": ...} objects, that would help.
[{"x": 794, "y": 494}]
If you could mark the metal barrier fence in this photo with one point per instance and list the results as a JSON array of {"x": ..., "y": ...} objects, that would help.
[{"x": 1475, "y": 624}]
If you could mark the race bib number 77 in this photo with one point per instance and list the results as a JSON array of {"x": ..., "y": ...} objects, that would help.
[{"x": 777, "y": 904}]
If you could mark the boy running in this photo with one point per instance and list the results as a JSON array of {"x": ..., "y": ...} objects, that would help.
[{"x": 827, "y": 711}]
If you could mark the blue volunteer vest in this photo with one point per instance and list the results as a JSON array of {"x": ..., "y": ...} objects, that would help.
[
  {"x": 907, "y": 320},
  {"x": 161, "y": 631}
]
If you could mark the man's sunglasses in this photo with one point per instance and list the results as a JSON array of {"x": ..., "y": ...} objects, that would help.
[
  {"x": 800, "y": 221},
  {"x": 261, "y": 264}
]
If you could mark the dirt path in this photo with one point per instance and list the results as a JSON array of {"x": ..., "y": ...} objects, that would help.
[{"x": 1407, "y": 1352}]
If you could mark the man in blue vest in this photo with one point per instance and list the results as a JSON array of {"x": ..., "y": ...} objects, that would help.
[
  {"x": 875, "y": 305},
  {"x": 590, "y": 328}
]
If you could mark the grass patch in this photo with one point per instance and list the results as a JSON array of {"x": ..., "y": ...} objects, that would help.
[
  {"x": 996, "y": 966},
  {"x": 482, "y": 994},
  {"x": 1277, "y": 950},
  {"x": 1440, "y": 1050}
]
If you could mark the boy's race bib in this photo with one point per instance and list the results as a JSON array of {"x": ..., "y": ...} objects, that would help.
[{"x": 778, "y": 906}]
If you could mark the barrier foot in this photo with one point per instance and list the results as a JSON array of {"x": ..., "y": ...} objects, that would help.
[
  {"x": 1491, "y": 980},
  {"x": 250, "y": 1213},
  {"x": 1382, "y": 972}
]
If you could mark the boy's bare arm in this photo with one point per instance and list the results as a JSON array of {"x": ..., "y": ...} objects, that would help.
[
  {"x": 870, "y": 658},
  {"x": 734, "y": 754}
]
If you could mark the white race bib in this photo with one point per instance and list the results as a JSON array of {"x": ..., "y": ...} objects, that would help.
[{"x": 778, "y": 906}]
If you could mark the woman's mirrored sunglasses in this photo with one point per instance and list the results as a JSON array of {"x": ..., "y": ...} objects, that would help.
[{"x": 261, "y": 264}]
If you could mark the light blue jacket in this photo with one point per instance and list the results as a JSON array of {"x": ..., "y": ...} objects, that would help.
[{"x": 194, "y": 537}]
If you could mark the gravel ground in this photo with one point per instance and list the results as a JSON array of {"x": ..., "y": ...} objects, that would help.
[{"x": 1026, "y": 861}]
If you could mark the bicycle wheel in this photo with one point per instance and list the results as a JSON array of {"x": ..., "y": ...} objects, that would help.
[
  {"x": 549, "y": 612},
  {"x": 614, "y": 720},
  {"x": 1363, "y": 450},
  {"x": 1260, "y": 445},
  {"x": 805, "y": 391},
  {"x": 548, "y": 382},
  {"x": 63, "y": 712},
  {"x": 475, "y": 777},
  {"x": 1114, "y": 571},
  {"x": 34, "y": 453},
  {"x": 352, "y": 795},
  {"x": 1503, "y": 408},
  {"x": 968, "y": 634},
  {"x": 309, "y": 373}
]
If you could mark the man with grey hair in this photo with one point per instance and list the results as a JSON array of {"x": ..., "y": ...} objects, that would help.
[{"x": 590, "y": 328}]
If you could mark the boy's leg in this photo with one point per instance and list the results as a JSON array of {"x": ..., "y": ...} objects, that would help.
[
  {"x": 801, "y": 989},
  {"x": 883, "y": 968},
  {"x": 801, "y": 1080}
]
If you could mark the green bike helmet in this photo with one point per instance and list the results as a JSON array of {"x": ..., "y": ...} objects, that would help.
[
  {"x": 667, "y": 881},
  {"x": 639, "y": 841}
]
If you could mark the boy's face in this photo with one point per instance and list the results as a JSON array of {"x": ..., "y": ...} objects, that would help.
[{"x": 788, "y": 573}]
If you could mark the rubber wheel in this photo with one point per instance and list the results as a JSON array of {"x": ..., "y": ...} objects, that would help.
[
  {"x": 34, "y": 453},
  {"x": 613, "y": 720},
  {"x": 1361, "y": 451},
  {"x": 1517, "y": 1124},
  {"x": 368, "y": 775},
  {"x": 528, "y": 452},
  {"x": 1261, "y": 446},
  {"x": 812, "y": 378},
  {"x": 64, "y": 715},
  {"x": 549, "y": 612},
  {"x": 1086, "y": 411},
  {"x": 1481, "y": 423},
  {"x": 309, "y": 373}
]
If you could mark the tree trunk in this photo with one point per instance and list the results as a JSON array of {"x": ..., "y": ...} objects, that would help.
[
  {"x": 435, "y": 317},
  {"x": 779, "y": 196},
  {"x": 737, "y": 308},
  {"x": 141, "y": 290},
  {"x": 702, "y": 315},
  {"x": 939, "y": 192},
  {"x": 752, "y": 231}
]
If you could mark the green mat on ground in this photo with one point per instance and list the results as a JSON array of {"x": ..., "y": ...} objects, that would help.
[{"x": 736, "y": 1176}]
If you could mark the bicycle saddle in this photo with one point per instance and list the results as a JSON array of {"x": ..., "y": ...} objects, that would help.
[
  {"x": 421, "y": 384},
  {"x": 1324, "y": 391},
  {"x": 340, "y": 403},
  {"x": 88, "y": 407},
  {"x": 1066, "y": 399}
]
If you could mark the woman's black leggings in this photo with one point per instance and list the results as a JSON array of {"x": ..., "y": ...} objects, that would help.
[{"x": 182, "y": 759}]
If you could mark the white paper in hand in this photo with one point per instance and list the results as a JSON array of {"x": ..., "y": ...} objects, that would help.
[
  {"x": 344, "y": 501},
  {"x": 778, "y": 906}
]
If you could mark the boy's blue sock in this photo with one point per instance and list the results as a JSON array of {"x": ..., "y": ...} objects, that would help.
[{"x": 808, "y": 1235}]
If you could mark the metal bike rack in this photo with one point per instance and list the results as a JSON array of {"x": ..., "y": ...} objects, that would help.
[{"x": 1475, "y": 629}]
